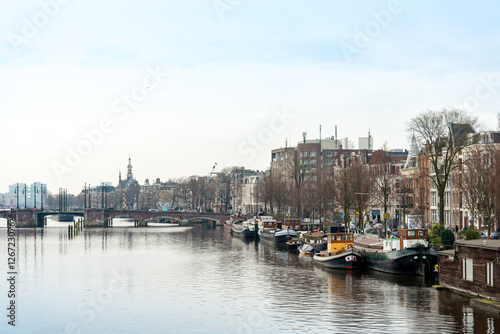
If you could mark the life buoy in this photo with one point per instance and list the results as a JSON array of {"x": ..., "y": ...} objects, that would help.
[{"x": 349, "y": 246}]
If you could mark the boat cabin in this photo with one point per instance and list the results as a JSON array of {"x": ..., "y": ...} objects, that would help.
[
  {"x": 270, "y": 224},
  {"x": 292, "y": 223},
  {"x": 313, "y": 237},
  {"x": 339, "y": 241},
  {"x": 407, "y": 238}
]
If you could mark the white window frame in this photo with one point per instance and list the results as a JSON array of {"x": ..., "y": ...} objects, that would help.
[
  {"x": 468, "y": 269},
  {"x": 489, "y": 274}
]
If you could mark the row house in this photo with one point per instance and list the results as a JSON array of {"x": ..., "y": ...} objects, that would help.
[
  {"x": 419, "y": 193},
  {"x": 486, "y": 144},
  {"x": 313, "y": 162},
  {"x": 414, "y": 191},
  {"x": 386, "y": 167},
  {"x": 316, "y": 159}
]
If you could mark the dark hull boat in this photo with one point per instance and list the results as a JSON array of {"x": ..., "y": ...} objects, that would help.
[
  {"x": 408, "y": 254},
  {"x": 340, "y": 253},
  {"x": 247, "y": 229},
  {"x": 413, "y": 261},
  {"x": 277, "y": 236},
  {"x": 348, "y": 259}
]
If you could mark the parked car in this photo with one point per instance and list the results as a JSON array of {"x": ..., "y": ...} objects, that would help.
[{"x": 494, "y": 235}]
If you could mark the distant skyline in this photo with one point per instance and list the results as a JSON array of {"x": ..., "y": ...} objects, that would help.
[{"x": 181, "y": 85}]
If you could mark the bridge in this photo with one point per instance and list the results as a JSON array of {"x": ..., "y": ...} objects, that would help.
[{"x": 36, "y": 217}]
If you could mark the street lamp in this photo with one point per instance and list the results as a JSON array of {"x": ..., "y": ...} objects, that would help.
[
  {"x": 25, "y": 192},
  {"x": 85, "y": 196},
  {"x": 35, "y": 191},
  {"x": 16, "y": 191},
  {"x": 42, "y": 191}
]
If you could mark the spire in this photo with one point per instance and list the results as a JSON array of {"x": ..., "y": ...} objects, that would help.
[
  {"x": 129, "y": 169},
  {"x": 413, "y": 151}
]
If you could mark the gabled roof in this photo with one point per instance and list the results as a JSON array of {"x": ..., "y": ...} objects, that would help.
[{"x": 460, "y": 132}]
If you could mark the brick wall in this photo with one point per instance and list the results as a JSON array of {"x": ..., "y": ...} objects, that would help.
[{"x": 451, "y": 271}]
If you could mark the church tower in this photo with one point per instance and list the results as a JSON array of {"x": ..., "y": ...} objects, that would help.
[{"x": 130, "y": 176}]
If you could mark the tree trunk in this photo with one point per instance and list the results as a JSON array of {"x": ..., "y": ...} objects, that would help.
[{"x": 441, "y": 206}]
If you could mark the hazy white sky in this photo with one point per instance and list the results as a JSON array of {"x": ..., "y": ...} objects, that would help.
[{"x": 180, "y": 85}]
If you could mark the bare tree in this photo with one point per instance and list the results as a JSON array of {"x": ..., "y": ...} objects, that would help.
[
  {"x": 301, "y": 167},
  {"x": 480, "y": 172},
  {"x": 446, "y": 133},
  {"x": 228, "y": 179},
  {"x": 384, "y": 177},
  {"x": 344, "y": 193},
  {"x": 362, "y": 186}
]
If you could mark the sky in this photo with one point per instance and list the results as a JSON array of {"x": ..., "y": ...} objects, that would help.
[{"x": 182, "y": 85}]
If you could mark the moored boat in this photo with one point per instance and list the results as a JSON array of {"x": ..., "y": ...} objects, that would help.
[
  {"x": 246, "y": 229},
  {"x": 156, "y": 224},
  {"x": 340, "y": 253},
  {"x": 317, "y": 239},
  {"x": 409, "y": 253},
  {"x": 228, "y": 226},
  {"x": 293, "y": 243},
  {"x": 270, "y": 231},
  {"x": 306, "y": 249}
]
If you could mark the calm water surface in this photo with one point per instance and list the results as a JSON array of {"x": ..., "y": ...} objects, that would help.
[{"x": 200, "y": 280}]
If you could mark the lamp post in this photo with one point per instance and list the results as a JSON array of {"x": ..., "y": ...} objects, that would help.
[
  {"x": 42, "y": 191},
  {"x": 35, "y": 191},
  {"x": 85, "y": 196},
  {"x": 25, "y": 191},
  {"x": 17, "y": 195},
  {"x": 361, "y": 213}
]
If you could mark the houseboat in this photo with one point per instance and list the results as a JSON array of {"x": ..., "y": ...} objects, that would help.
[
  {"x": 473, "y": 267},
  {"x": 246, "y": 229},
  {"x": 409, "y": 253},
  {"x": 340, "y": 253},
  {"x": 270, "y": 231},
  {"x": 317, "y": 239}
]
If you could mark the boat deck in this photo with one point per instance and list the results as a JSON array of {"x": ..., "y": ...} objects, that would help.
[{"x": 368, "y": 242}]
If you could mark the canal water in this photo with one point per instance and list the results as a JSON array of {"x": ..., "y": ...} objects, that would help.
[{"x": 202, "y": 280}]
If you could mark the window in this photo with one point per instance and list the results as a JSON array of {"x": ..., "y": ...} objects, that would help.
[
  {"x": 468, "y": 269},
  {"x": 489, "y": 274},
  {"x": 329, "y": 154},
  {"x": 328, "y": 162},
  {"x": 312, "y": 154}
]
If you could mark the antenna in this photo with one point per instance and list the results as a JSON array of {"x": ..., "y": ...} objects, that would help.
[
  {"x": 369, "y": 136},
  {"x": 320, "y": 132},
  {"x": 304, "y": 135},
  {"x": 337, "y": 140}
]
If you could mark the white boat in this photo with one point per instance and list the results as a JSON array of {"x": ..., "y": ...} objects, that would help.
[{"x": 151, "y": 224}]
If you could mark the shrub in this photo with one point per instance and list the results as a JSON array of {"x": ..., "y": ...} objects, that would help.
[
  {"x": 435, "y": 234},
  {"x": 469, "y": 234},
  {"x": 447, "y": 237}
]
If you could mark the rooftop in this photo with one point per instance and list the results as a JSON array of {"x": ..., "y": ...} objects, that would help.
[{"x": 480, "y": 243}]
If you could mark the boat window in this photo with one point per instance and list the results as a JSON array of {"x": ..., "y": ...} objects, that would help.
[
  {"x": 339, "y": 237},
  {"x": 421, "y": 233},
  {"x": 349, "y": 237},
  {"x": 411, "y": 234}
]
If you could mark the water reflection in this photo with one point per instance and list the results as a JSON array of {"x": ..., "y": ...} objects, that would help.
[{"x": 199, "y": 280}]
